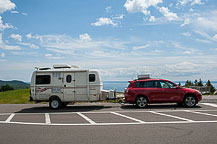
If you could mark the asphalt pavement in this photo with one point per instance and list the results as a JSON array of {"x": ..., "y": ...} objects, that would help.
[{"x": 108, "y": 123}]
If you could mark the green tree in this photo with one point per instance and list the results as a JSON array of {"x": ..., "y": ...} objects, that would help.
[
  {"x": 6, "y": 88},
  {"x": 212, "y": 88},
  {"x": 188, "y": 83},
  {"x": 195, "y": 83},
  {"x": 200, "y": 83}
]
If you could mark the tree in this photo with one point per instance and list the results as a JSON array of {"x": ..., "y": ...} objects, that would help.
[
  {"x": 200, "y": 83},
  {"x": 195, "y": 83},
  {"x": 6, "y": 88},
  {"x": 188, "y": 83},
  {"x": 212, "y": 88}
]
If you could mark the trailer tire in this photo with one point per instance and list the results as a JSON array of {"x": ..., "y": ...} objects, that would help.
[{"x": 55, "y": 103}]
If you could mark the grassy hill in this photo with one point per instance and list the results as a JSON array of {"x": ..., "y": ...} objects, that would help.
[
  {"x": 19, "y": 96},
  {"x": 15, "y": 84}
]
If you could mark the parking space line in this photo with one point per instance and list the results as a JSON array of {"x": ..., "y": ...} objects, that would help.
[
  {"x": 10, "y": 118},
  {"x": 209, "y": 104},
  {"x": 47, "y": 118},
  {"x": 128, "y": 117},
  {"x": 201, "y": 113},
  {"x": 172, "y": 116},
  {"x": 86, "y": 118}
]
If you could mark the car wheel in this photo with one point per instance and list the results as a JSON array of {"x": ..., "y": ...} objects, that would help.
[
  {"x": 190, "y": 101},
  {"x": 141, "y": 102},
  {"x": 55, "y": 103}
]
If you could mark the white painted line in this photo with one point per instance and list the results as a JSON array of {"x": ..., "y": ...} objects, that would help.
[
  {"x": 10, "y": 118},
  {"x": 47, "y": 118},
  {"x": 172, "y": 116},
  {"x": 107, "y": 124},
  {"x": 209, "y": 104},
  {"x": 86, "y": 118},
  {"x": 128, "y": 117},
  {"x": 202, "y": 113}
]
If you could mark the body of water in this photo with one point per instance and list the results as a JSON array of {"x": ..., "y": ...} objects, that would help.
[{"x": 121, "y": 85}]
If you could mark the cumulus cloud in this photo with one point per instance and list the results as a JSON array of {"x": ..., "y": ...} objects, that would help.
[
  {"x": 152, "y": 19},
  {"x": 169, "y": 15},
  {"x": 4, "y": 26},
  {"x": 16, "y": 37},
  {"x": 186, "y": 22},
  {"x": 85, "y": 37},
  {"x": 6, "y": 5},
  {"x": 141, "y": 5},
  {"x": 104, "y": 21},
  {"x": 198, "y": 2}
]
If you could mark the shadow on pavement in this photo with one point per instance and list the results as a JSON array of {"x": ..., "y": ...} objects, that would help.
[
  {"x": 69, "y": 108},
  {"x": 159, "y": 106}
]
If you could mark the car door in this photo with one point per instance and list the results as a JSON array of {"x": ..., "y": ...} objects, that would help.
[{"x": 169, "y": 92}]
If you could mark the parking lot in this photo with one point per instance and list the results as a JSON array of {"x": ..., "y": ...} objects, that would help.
[{"x": 106, "y": 122}]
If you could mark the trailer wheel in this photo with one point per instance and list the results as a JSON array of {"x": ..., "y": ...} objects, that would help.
[{"x": 55, "y": 103}]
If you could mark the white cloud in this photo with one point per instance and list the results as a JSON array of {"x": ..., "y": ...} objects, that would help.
[
  {"x": 48, "y": 55},
  {"x": 141, "y": 5},
  {"x": 183, "y": 2},
  {"x": 169, "y": 15},
  {"x": 192, "y": 2},
  {"x": 25, "y": 14},
  {"x": 7, "y": 47},
  {"x": 104, "y": 21},
  {"x": 85, "y": 37},
  {"x": 4, "y": 26},
  {"x": 187, "y": 34},
  {"x": 6, "y": 5},
  {"x": 14, "y": 12},
  {"x": 186, "y": 22},
  {"x": 2, "y": 55},
  {"x": 16, "y": 37},
  {"x": 141, "y": 47},
  {"x": 33, "y": 46},
  {"x": 187, "y": 52},
  {"x": 198, "y": 2},
  {"x": 152, "y": 19},
  {"x": 119, "y": 17},
  {"x": 108, "y": 8},
  {"x": 37, "y": 37}
]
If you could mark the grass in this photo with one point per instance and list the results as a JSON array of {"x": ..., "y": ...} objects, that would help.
[{"x": 20, "y": 96}]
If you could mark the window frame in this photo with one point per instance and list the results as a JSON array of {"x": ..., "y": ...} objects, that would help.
[
  {"x": 90, "y": 78},
  {"x": 37, "y": 81},
  {"x": 67, "y": 78}
]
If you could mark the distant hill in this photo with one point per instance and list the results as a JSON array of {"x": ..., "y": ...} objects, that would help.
[{"x": 15, "y": 84}]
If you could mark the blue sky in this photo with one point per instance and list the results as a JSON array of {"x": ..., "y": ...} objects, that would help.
[{"x": 173, "y": 39}]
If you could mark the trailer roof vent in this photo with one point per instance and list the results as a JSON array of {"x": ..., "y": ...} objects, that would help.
[
  {"x": 42, "y": 68},
  {"x": 63, "y": 66}
]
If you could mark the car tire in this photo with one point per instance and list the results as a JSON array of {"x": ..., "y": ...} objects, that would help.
[
  {"x": 141, "y": 102},
  {"x": 55, "y": 103},
  {"x": 190, "y": 101}
]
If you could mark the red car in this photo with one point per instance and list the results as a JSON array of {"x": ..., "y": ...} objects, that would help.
[{"x": 142, "y": 92}]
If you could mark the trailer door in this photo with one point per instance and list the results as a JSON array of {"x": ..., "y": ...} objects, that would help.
[
  {"x": 69, "y": 87},
  {"x": 81, "y": 86}
]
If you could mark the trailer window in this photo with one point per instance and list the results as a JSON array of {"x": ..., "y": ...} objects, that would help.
[
  {"x": 43, "y": 79},
  {"x": 92, "y": 77},
  {"x": 68, "y": 78}
]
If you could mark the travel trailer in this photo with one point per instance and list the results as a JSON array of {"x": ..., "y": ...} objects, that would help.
[{"x": 65, "y": 83}]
